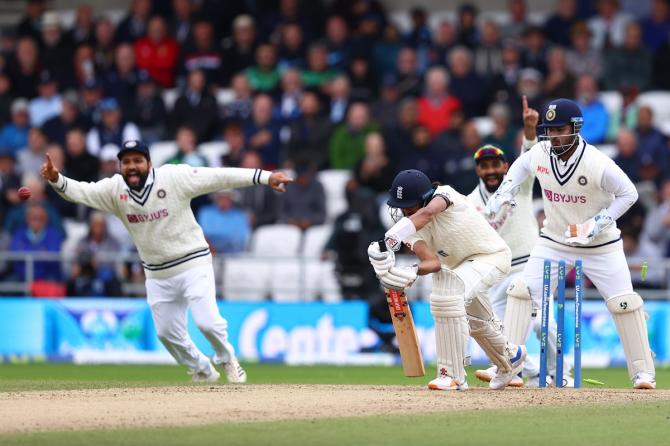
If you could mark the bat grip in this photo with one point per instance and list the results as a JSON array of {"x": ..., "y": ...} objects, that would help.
[{"x": 382, "y": 245}]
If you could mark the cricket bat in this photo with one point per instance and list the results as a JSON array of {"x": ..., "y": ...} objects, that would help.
[{"x": 405, "y": 332}]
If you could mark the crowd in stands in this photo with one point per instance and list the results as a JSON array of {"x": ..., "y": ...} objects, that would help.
[{"x": 311, "y": 85}]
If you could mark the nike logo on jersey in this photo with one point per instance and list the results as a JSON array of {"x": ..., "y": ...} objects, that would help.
[
  {"x": 555, "y": 197},
  {"x": 147, "y": 218}
]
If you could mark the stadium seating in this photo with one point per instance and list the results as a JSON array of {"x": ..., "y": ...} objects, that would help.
[
  {"x": 659, "y": 102},
  {"x": 170, "y": 96},
  {"x": 334, "y": 182},
  {"x": 162, "y": 151},
  {"x": 246, "y": 279},
  {"x": 213, "y": 151},
  {"x": 315, "y": 240},
  {"x": 276, "y": 241}
]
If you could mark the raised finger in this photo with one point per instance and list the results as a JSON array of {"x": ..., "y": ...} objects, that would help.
[{"x": 524, "y": 102}]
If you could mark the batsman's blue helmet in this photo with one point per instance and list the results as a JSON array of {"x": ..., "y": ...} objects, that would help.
[{"x": 410, "y": 188}]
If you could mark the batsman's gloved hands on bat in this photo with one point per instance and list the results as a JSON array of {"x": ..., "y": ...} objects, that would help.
[
  {"x": 400, "y": 277},
  {"x": 502, "y": 201},
  {"x": 584, "y": 233},
  {"x": 380, "y": 261}
]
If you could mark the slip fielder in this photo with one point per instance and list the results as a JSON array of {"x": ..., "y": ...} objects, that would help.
[{"x": 154, "y": 205}]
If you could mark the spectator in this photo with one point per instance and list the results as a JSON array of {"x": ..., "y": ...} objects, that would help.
[
  {"x": 180, "y": 27},
  {"x": 385, "y": 108},
  {"x": 82, "y": 30},
  {"x": 558, "y": 25},
  {"x": 423, "y": 154},
  {"x": 148, "y": 109},
  {"x": 134, "y": 26},
  {"x": 652, "y": 144},
  {"x": 340, "y": 97},
  {"x": 627, "y": 157},
  {"x": 109, "y": 165},
  {"x": 468, "y": 34},
  {"x": 79, "y": 164},
  {"x": 259, "y": 203},
  {"x": 464, "y": 178},
  {"x": 444, "y": 40},
  {"x": 318, "y": 73},
  {"x": 111, "y": 129},
  {"x": 203, "y": 53},
  {"x": 581, "y": 58},
  {"x": 87, "y": 279},
  {"x": 375, "y": 171},
  {"x": 420, "y": 36},
  {"x": 48, "y": 103},
  {"x": 37, "y": 235},
  {"x": 347, "y": 144},
  {"x": 535, "y": 50},
  {"x": 609, "y": 25},
  {"x": 505, "y": 83},
  {"x": 239, "y": 109},
  {"x": 158, "y": 53},
  {"x": 6, "y": 99},
  {"x": 596, "y": 119},
  {"x": 196, "y": 107},
  {"x": 655, "y": 235},
  {"x": 338, "y": 43},
  {"x": 436, "y": 107},
  {"x": 620, "y": 72},
  {"x": 517, "y": 21},
  {"x": 264, "y": 75},
  {"x": 30, "y": 24},
  {"x": 529, "y": 85},
  {"x": 292, "y": 51},
  {"x": 24, "y": 71},
  {"x": 363, "y": 83},
  {"x": 16, "y": 217},
  {"x": 661, "y": 67},
  {"x": 91, "y": 95},
  {"x": 84, "y": 64},
  {"x": 399, "y": 137},
  {"x": 10, "y": 182},
  {"x": 121, "y": 82},
  {"x": 31, "y": 157},
  {"x": 466, "y": 84},
  {"x": 309, "y": 134},
  {"x": 559, "y": 83},
  {"x": 487, "y": 58},
  {"x": 69, "y": 118},
  {"x": 105, "y": 45},
  {"x": 291, "y": 93},
  {"x": 385, "y": 51},
  {"x": 225, "y": 225},
  {"x": 239, "y": 50},
  {"x": 408, "y": 75},
  {"x": 233, "y": 137},
  {"x": 656, "y": 26},
  {"x": 187, "y": 149},
  {"x": 99, "y": 241},
  {"x": 504, "y": 133},
  {"x": 14, "y": 136},
  {"x": 56, "y": 49},
  {"x": 64, "y": 208},
  {"x": 304, "y": 204},
  {"x": 262, "y": 132}
]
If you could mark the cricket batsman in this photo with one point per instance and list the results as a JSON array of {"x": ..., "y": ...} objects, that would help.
[
  {"x": 584, "y": 193},
  {"x": 466, "y": 256},
  {"x": 154, "y": 205}
]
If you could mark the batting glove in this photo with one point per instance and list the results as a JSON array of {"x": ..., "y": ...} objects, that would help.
[
  {"x": 584, "y": 233},
  {"x": 380, "y": 261},
  {"x": 400, "y": 277}
]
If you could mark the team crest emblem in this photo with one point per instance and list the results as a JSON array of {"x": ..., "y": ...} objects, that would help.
[
  {"x": 582, "y": 180},
  {"x": 551, "y": 113},
  {"x": 398, "y": 193},
  {"x": 161, "y": 193}
]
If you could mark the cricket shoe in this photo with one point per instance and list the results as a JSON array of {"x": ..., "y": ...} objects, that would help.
[
  {"x": 234, "y": 371},
  {"x": 644, "y": 381},
  {"x": 209, "y": 375},
  {"x": 502, "y": 380},
  {"x": 567, "y": 382},
  {"x": 446, "y": 382},
  {"x": 488, "y": 374}
]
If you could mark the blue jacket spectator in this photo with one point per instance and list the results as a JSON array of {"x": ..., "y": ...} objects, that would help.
[
  {"x": 651, "y": 143},
  {"x": 226, "y": 227},
  {"x": 596, "y": 119},
  {"x": 14, "y": 136},
  {"x": 261, "y": 132},
  {"x": 656, "y": 26},
  {"x": 37, "y": 236}
]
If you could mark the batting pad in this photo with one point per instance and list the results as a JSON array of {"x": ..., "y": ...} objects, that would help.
[
  {"x": 487, "y": 330},
  {"x": 518, "y": 312},
  {"x": 631, "y": 324},
  {"x": 451, "y": 326}
]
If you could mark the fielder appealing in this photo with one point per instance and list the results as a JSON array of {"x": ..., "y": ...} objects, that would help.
[
  {"x": 584, "y": 192},
  {"x": 466, "y": 256},
  {"x": 519, "y": 229},
  {"x": 154, "y": 205}
]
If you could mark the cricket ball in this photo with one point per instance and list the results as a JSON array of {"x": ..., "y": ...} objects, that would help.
[{"x": 24, "y": 193}]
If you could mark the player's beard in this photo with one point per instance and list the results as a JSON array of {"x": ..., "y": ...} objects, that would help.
[
  {"x": 135, "y": 179},
  {"x": 493, "y": 181}
]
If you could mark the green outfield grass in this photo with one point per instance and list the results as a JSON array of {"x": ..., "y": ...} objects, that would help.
[
  {"x": 44, "y": 376},
  {"x": 642, "y": 424}
]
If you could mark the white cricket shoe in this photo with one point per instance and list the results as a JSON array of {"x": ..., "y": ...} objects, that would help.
[
  {"x": 209, "y": 375},
  {"x": 488, "y": 374},
  {"x": 644, "y": 381},
  {"x": 234, "y": 371},
  {"x": 446, "y": 382},
  {"x": 502, "y": 380}
]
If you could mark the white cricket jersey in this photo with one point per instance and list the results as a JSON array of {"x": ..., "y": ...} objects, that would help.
[
  {"x": 519, "y": 230},
  {"x": 460, "y": 233},
  {"x": 159, "y": 217},
  {"x": 575, "y": 191}
]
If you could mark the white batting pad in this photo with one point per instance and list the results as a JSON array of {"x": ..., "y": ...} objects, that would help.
[{"x": 518, "y": 313}]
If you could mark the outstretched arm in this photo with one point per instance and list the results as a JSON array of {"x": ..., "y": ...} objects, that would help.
[
  {"x": 96, "y": 195},
  {"x": 205, "y": 180}
]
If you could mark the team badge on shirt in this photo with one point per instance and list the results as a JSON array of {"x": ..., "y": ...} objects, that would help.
[
  {"x": 582, "y": 180},
  {"x": 161, "y": 193}
]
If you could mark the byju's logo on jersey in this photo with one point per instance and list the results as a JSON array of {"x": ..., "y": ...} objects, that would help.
[
  {"x": 556, "y": 197},
  {"x": 398, "y": 193}
]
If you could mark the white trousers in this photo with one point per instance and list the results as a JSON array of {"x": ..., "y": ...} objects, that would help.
[{"x": 170, "y": 298}]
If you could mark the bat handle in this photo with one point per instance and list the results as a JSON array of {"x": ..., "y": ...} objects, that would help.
[{"x": 382, "y": 245}]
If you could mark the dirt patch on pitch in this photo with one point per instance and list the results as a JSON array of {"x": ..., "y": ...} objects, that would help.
[{"x": 193, "y": 405}]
